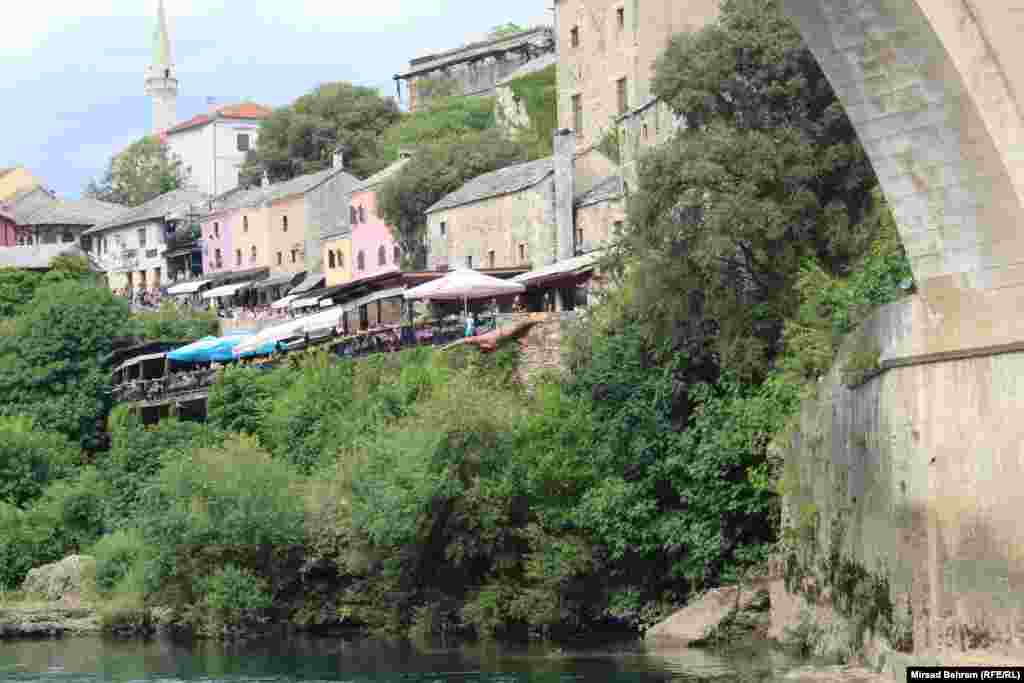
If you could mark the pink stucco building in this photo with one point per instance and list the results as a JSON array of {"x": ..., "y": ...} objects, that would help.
[
  {"x": 8, "y": 229},
  {"x": 374, "y": 247}
]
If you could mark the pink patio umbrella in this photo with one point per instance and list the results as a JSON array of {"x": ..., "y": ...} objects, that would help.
[{"x": 462, "y": 285}]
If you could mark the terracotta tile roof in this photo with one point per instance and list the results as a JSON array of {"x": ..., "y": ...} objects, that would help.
[{"x": 245, "y": 110}]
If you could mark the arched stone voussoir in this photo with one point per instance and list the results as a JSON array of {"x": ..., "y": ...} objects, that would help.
[{"x": 927, "y": 87}]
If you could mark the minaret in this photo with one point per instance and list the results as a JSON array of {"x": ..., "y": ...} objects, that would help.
[{"x": 161, "y": 82}]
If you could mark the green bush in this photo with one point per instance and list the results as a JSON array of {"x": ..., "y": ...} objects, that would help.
[
  {"x": 172, "y": 323},
  {"x": 31, "y": 458},
  {"x": 231, "y": 596},
  {"x": 117, "y": 555}
]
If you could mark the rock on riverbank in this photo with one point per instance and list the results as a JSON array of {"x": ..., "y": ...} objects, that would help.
[{"x": 46, "y": 621}]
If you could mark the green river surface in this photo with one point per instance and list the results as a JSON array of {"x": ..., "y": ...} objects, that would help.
[{"x": 363, "y": 660}]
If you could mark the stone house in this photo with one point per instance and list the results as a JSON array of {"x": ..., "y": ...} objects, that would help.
[
  {"x": 606, "y": 55},
  {"x": 272, "y": 226},
  {"x": 42, "y": 218},
  {"x": 337, "y": 257},
  {"x": 526, "y": 216},
  {"x": 473, "y": 69},
  {"x": 131, "y": 247}
]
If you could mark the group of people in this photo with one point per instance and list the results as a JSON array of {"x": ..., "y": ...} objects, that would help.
[{"x": 145, "y": 297}]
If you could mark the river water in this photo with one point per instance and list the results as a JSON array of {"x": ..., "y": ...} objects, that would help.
[{"x": 362, "y": 660}]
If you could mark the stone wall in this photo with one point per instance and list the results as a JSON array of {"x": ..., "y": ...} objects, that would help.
[
  {"x": 917, "y": 474},
  {"x": 500, "y": 224},
  {"x": 598, "y": 222},
  {"x": 541, "y": 347}
]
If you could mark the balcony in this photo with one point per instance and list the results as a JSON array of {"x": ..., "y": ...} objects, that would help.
[{"x": 183, "y": 239}]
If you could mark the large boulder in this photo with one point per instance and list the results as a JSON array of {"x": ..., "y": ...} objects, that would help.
[
  {"x": 697, "y": 620},
  {"x": 60, "y": 581}
]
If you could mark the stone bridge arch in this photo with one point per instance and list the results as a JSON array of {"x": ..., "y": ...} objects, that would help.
[{"x": 935, "y": 89}]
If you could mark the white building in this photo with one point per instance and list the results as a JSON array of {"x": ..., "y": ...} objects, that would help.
[
  {"x": 212, "y": 146},
  {"x": 131, "y": 248}
]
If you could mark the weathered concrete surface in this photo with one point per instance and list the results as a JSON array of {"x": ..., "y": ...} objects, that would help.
[
  {"x": 930, "y": 88},
  {"x": 695, "y": 621},
  {"x": 60, "y": 580},
  {"x": 923, "y": 466}
]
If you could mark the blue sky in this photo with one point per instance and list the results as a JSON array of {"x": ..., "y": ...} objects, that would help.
[{"x": 72, "y": 76}]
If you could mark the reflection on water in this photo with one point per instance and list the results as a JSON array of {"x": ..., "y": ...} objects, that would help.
[{"x": 284, "y": 660}]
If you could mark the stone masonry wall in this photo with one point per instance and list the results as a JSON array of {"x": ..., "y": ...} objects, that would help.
[
  {"x": 541, "y": 347},
  {"x": 920, "y": 470}
]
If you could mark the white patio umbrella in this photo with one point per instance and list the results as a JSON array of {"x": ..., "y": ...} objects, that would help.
[{"x": 462, "y": 285}]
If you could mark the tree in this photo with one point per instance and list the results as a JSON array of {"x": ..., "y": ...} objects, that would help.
[
  {"x": 30, "y": 458},
  {"x": 16, "y": 290},
  {"x": 435, "y": 171},
  {"x": 141, "y": 172},
  {"x": 769, "y": 173},
  {"x": 442, "y": 119},
  {"x": 506, "y": 29},
  {"x": 301, "y": 138},
  {"x": 50, "y": 365}
]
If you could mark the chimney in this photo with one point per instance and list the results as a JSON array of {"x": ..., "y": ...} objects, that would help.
[
  {"x": 565, "y": 190},
  {"x": 338, "y": 161},
  {"x": 265, "y": 181}
]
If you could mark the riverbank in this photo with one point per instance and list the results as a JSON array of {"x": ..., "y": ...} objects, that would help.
[{"x": 47, "y": 620}]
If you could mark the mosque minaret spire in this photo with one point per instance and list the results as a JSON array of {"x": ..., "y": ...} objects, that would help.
[{"x": 161, "y": 78}]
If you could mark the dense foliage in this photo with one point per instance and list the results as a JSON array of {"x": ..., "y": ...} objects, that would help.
[
  {"x": 538, "y": 93},
  {"x": 435, "y": 171},
  {"x": 141, "y": 172},
  {"x": 443, "y": 118},
  {"x": 302, "y": 137}
]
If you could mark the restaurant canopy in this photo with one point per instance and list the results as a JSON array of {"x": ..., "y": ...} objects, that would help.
[
  {"x": 557, "y": 271},
  {"x": 464, "y": 284},
  {"x": 278, "y": 281},
  {"x": 395, "y": 292},
  {"x": 226, "y": 290},
  {"x": 187, "y": 287},
  {"x": 285, "y": 302},
  {"x": 305, "y": 303},
  {"x": 209, "y": 349},
  {"x": 269, "y": 337},
  {"x": 312, "y": 281}
]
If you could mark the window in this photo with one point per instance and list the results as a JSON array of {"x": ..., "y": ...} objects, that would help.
[
  {"x": 353, "y": 217},
  {"x": 444, "y": 228},
  {"x": 574, "y": 36},
  {"x": 280, "y": 260},
  {"x": 67, "y": 237},
  {"x": 577, "y": 114},
  {"x": 362, "y": 214},
  {"x": 623, "y": 95},
  {"x": 620, "y": 16},
  {"x": 238, "y": 257},
  {"x": 243, "y": 142},
  {"x": 156, "y": 277},
  {"x": 382, "y": 256},
  {"x": 284, "y": 223},
  {"x": 340, "y": 259},
  {"x": 469, "y": 261},
  {"x": 216, "y": 229},
  {"x": 142, "y": 238},
  {"x": 398, "y": 255},
  {"x": 490, "y": 259},
  {"x": 579, "y": 238},
  {"x": 330, "y": 260},
  {"x": 252, "y": 254},
  {"x": 522, "y": 253},
  {"x": 361, "y": 261},
  {"x": 106, "y": 245},
  {"x": 245, "y": 224},
  {"x": 294, "y": 255},
  {"x": 218, "y": 260},
  {"x": 618, "y": 227},
  {"x": 645, "y": 130}
]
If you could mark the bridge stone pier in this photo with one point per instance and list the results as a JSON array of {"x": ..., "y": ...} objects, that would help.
[{"x": 921, "y": 466}]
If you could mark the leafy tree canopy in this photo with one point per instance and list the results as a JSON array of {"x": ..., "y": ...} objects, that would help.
[
  {"x": 436, "y": 170},
  {"x": 442, "y": 119},
  {"x": 30, "y": 458},
  {"x": 146, "y": 169},
  {"x": 506, "y": 29},
  {"x": 302, "y": 137},
  {"x": 769, "y": 174},
  {"x": 50, "y": 358}
]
